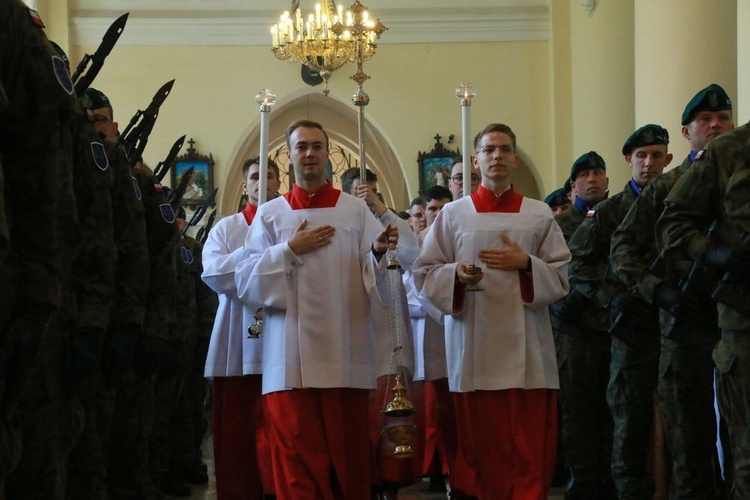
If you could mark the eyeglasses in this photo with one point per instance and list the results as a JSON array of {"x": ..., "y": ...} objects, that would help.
[
  {"x": 490, "y": 150},
  {"x": 459, "y": 179},
  {"x": 100, "y": 119}
]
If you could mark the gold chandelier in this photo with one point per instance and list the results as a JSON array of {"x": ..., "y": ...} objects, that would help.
[{"x": 328, "y": 38}]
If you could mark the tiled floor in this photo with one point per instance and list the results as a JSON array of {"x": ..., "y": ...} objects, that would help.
[{"x": 415, "y": 492}]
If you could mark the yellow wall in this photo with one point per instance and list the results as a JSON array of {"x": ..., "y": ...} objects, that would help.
[
  {"x": 588, "y": 87},
  {"x": 603, "y": 85},
  {"x": 411, "y": 95}
]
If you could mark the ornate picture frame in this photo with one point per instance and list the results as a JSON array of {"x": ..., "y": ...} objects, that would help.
[
  {"x": 202, "y": 181},
  {"x": 435, "y": 165}
]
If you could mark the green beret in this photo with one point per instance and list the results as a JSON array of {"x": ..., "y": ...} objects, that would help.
[
  {"x": 567, "y": 187},
  {"x": 556, "y": 198},
  {"x": 587, "y": 161},
  {"x": 95, "y": 99},
  {"x": 647, "y": 135},
  {"x": 712, "y": 98}
]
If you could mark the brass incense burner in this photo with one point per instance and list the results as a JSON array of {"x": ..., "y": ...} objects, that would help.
[{"x": 401, "y": 435}]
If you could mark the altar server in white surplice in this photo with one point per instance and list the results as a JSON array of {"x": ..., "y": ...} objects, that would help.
[
  {"x": 242, "y": 459},
  {"x": 499, "y": 344},
  {"x": 311, "y": 258}
]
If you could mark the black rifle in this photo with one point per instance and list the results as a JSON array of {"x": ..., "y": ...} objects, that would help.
[
  {"x": 108, "y": 41},
  {"x": 202, "y": 235},
  {"x": 175, "y": 197},
  {"x": 732, "y": 290},
  {"x": 135, "y": 136},
  {"x": 198, "y": 215},
  {"x": 632, "y": 310},
  {"x": 696, "y": 282},
  {"x": 163, "y": 166}
]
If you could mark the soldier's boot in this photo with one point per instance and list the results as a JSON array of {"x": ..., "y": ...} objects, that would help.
[
  {"x": 173, "y": 485},
  {"x": 437, "y": 484},
  {"x": 583, "y": 490},
  {"x": 195, "y": 472}
]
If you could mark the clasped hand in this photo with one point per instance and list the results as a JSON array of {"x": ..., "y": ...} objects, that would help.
[
  {"x": 505, "y": 259},
  {"x": 387, "y": 239}
]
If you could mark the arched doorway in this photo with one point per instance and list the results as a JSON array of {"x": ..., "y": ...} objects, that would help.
[{"x": 339, "y": 118}]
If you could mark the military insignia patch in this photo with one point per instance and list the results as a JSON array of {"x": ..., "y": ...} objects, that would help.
[
  {"x": 187, "y": 255},
  {"x": 136, "y": 188},
  {"x": 713, "y": 99},
  {"x": 34, "y": 15},
  {"x": 591, "y": 213},
  {"x": 699, "y": 154},
  {"x": 62, "y": 75},
  {"x": 158, "y": 187},
  {"x": 166, "y": 212},
  {"x": 100, "y": 155}
]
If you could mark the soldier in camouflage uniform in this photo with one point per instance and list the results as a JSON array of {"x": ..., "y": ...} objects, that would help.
[
  {"x": 4, "y": 240},
  {"x": 133, "y": 418},
  {"x": 583, "y": 353},
  {"x": 186, "y": 456},
  {"x": 68, "y": 365},
  {"x": 87, "y": 469},
  {"x": 716, "y": 188},
  {"x": 169, "y": 377},
  {"x": 645, "y": 151},
  {"x": 184, "y": 397},
  {"x": 685, "y": 384},
  {"x": 128, "y": 419},
  {"x": 35, "y": 150}
]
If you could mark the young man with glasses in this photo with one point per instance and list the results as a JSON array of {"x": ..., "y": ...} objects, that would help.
[
  {"x": 499, "y": 344},
  {"x": 456, "y": 183},
  {"x": 417, "y": 219}
]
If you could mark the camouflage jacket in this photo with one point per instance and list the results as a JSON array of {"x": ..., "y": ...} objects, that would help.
[
  {"x": 716, "y": 188},
  {"x": 92, "y": 272},
  {"x": 589, "y": 271},
  {"x": 634, "y": 243},
  {"x": 206, "y": 300},
  {"x": 569, "y": 220},
  {"x": 129, "y": 232},
  {"x": 162, "y": 237}
]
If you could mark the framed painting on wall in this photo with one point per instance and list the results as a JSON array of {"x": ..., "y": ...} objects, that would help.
[
  {"x": 201, "y": 182},
  {"x": 435, "y": 165}
]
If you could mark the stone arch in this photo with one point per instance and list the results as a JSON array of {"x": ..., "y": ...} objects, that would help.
[
  {"x": 526, "y": 179},
  {"x": 339, "y": 117}
]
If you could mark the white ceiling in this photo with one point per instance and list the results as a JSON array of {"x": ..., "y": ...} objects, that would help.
[{"x": 247, "y": 22}]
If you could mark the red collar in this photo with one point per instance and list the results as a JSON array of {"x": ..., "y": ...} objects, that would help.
[
  {"x": 249, "y": 212},
  {"x": 325, "y": 196},
  {"x": 486, "y": 201}
]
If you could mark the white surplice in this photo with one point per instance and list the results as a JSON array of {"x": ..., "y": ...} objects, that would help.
[
  {"x": 429, "y": 335},
  {"x": 231, "y": 352},
  {"x": 496, "y": 341},
  {"x": 386, "y": 321},
  {"x": 317, "y": 324}
]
